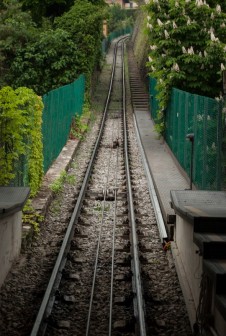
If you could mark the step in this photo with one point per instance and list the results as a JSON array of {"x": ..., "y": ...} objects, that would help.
[
  {"x": 211, "y": 245},
  {"x": 216, "y": 270},
  {"x": 210, "y": 224}
]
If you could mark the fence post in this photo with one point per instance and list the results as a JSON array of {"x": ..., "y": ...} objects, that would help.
[{"x": 191, "y": 137}]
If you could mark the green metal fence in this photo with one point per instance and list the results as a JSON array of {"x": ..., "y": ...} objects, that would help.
[
  {"x": 202, "y": 116},
  {"x": 60, "y": 107},
  {"x": 107, "y": 41},
  {"x": 153, "y": 99}
]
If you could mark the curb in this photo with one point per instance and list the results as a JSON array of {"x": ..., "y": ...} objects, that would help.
[{"x": 42, "y": 200}]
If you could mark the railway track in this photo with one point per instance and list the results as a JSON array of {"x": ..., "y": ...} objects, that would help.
[
  {"x": 99, "y": 261},
  {"x": 111, "y": 276}
]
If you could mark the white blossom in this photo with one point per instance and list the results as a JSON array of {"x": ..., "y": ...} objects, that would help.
[
  {"x": 156, "y": 1},
  {"x": 166, "y": 34},
  {"x": 199, "y": 117},
  {"x": 213, "y": 146},
  {"x": 218, "y": 9},
  {"x": 187, "y": 1},
  {"x": 150, "y": 26},
  {"x": 153, "y": 47},
  {"x": 176, "y": 4},
  {"x": 223, "y": 25},
  {"x": 175, "y": 67},
  {"x": 199, "y": 3},
  {"x": 202, "y": 67},
  {"x": 174, "y": 25},
  {"x": 224, "y": 49},
  {"x": 159, "y": 22},
  {"x": 211, "y": 30},
  {"x": 212, "y": 16},
  {"x": 149, "y": 18},
  {"x": 163, "y": 55},
  {"x": 213, "y": 38},
  {"x": 188, "y": 21},
  {"x": 150, "y": 59},
  {"x": 191, "y": 51},
  {"x": 200, "y": 54},
  {"x": 152, "y": 68},
  {"x": 205, "y": 53},
  {"x": 222, "y": 67},
  {"x": 179, "y": 42},
  {"x": 184, "y": 50}
]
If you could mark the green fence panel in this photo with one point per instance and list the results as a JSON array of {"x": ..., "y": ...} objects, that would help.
[
  {"x": 189, "y": 113},
  {"x": 60, "y": 107},
  {"x": 153, "y": 99}
]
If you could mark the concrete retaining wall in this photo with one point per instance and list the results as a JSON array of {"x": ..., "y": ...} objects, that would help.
[{"x": 10, "y": 244}]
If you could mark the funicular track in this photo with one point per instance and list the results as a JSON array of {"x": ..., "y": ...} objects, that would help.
[
  {"x": 97, "y": 304},
  {"x": 111, "y": 259}
]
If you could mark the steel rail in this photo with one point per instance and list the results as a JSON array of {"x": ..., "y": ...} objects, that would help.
[
  {"x": 98, "y": 246},
  {"x": 48, "y": 299},
  {"x": 140, "y": 307},
  {"x": 113, "y": 244},
  {"x": 151, "y": 187}
]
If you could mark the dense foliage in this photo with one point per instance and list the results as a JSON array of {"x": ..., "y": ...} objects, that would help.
[
  {"x": 41, "y": 49},
  {"x": 16, "y": 30},
  {"x": 50, "y": 8},
  {"x": 20, "y": 136},
  {"x": 188, "y": 47},
  {"x": 52, "y": 55},
  {"x": 119, "y": 18},
  {"x": 84, "y": 23}
]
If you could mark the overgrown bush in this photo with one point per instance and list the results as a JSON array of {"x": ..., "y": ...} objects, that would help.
[
  {"x": 52, "y": 55},
  {"x": 84, "y": 23},
  {"x": 21, "y": 137}
]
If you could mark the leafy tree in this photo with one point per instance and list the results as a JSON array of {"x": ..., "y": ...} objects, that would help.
[
  {"x": 187, "y": 46},
  {"x": 84, "y": 23},
  {"x": 51, "y": 8},
  {"x": 16, "y": 30},
  {"x": 47, "y": 63},
  {"x": 48, "y": 57},
  {"x": 46, "y": 8}
]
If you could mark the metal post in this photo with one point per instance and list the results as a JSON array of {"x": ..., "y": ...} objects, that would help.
[{"x": 190, "y": 137}]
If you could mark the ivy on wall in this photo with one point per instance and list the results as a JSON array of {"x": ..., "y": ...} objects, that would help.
[{"x": 20, "y": 135}]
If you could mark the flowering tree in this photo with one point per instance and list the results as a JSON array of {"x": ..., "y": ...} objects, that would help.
[{"x": 188, "y": 46}]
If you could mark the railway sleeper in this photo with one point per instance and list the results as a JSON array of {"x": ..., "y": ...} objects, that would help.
[
  {"x": 124, "y": 277},
  {"x": 124, "y": 300},
  {"x": 124, "y": 262},
  {"x": 124, "y": 325}
]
